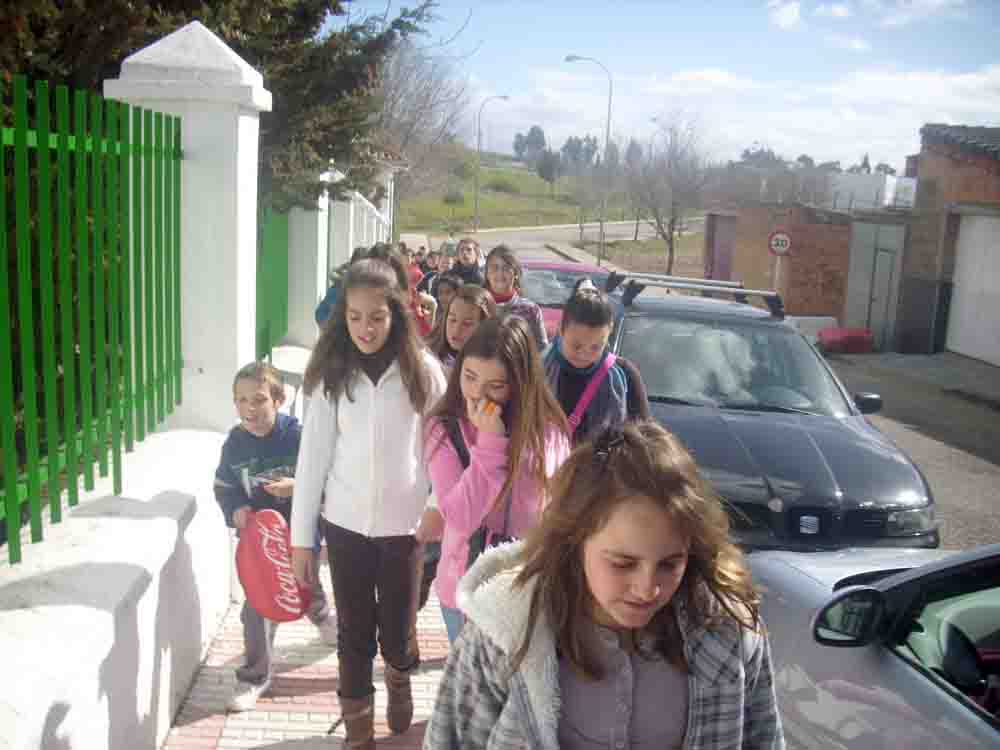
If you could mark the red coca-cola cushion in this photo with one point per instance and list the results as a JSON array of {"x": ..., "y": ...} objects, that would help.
[{"x": 264, "y": 564}]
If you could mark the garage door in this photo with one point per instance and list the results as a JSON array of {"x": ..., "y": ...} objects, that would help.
[{"x": 974, "y": 317}]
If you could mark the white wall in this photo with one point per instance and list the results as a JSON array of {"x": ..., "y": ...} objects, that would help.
[{"x": 219, "y": 97}]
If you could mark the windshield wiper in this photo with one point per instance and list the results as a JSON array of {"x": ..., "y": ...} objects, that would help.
[
  {"x": 756, "y": 406},
  {"x": 675, "y": 400}
]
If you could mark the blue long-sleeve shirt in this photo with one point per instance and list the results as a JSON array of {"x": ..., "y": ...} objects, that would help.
[{"x": 247, "y": 461}]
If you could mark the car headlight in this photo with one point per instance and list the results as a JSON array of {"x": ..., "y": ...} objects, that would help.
[{"x": 906, "y": 522}]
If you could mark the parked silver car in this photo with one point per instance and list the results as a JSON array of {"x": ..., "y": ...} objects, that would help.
[{"x": 876, "y": 649}]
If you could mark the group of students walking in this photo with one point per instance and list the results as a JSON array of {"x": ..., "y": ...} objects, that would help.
[{"x": 586, "y": 578}]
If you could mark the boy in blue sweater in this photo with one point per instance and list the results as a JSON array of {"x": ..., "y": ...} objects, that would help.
[{"x": 256, "y": 472}]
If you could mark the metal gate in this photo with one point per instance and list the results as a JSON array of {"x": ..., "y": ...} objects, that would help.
[{"x": 873, "y": 279}]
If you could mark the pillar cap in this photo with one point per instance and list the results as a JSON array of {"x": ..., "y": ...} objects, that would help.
[{"x": 192, "y": 63}]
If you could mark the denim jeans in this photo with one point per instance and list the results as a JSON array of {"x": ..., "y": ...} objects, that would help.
[
  {"x": 375, "y": 590},
  {"x": 453, "y": 621}
]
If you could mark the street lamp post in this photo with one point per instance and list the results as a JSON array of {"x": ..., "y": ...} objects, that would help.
[
  {"x": 607, "y": 140},
  {"x": 479, "y": 148}
]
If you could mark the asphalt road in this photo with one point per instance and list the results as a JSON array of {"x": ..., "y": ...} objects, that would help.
[
  {"x": 955, "y": 443},
  {"x": 531, "y": 240}
]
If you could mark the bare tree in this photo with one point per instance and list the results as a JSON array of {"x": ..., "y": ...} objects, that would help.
[
  {"x": 668, "y": 183},
  {"x": 424, "y": 100}
]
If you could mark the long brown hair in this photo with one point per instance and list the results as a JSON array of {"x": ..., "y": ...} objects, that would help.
[
  {"x": 618, "y": 464},
  {"x": 472, "y": 294},
  {"x": 504, "y": 253},
  {"x": 336, "y": 360},
  {"x": 532, "y": 410}
]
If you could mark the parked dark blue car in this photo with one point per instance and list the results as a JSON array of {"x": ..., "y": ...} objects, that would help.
[{"x": 771, "y": 425}]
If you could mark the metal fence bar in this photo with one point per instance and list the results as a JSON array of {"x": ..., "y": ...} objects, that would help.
[
  {"x": 124, "y": 281},
  {"x": 92, "y": 302},
  {"x": 149, "y": 267},
  {"x": 8, "y": 426},
  {"x": 50, "y": 373},
  {"x": 66, "y": 294},
  {"x": 176, "y": 216},
  {"x": 83, "y": 290},
  {"x": 138, "y": 329},
  {"x": 25, "y": 304},
  {"x": 160, "y": 264},
  {"x": 114, "y": 383},
  {"x": 168, "y": 264},
  {"x": 100, "y": 308}
]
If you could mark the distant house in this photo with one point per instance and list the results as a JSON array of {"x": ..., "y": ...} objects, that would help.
[{"x": 950, "y": 286}]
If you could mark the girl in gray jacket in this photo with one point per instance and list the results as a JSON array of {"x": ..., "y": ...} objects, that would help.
[{"x": 626, "y": 619}]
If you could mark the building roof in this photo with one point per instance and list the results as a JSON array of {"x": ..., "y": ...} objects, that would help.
[{"x": 983, "y": 140}]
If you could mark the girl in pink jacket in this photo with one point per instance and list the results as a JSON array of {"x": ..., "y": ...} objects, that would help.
[{"x": 492, "y": 442}]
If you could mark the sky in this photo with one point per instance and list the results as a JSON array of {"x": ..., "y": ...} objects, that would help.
[{"x": 833, "y": 80}]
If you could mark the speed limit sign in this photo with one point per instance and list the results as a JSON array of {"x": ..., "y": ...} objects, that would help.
[{"x": 779, "y": 242}]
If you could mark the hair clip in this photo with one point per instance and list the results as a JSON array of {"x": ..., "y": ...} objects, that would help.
[{"x": 609, "y": 439}]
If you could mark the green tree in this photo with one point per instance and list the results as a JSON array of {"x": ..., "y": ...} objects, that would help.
[
  {"x": 519, "y": 146},
  {"x": 548, "y": 168},
  {"x": 454, "y": 198},
  {"x": 534, "y": 144},
  {"x": 321, "y": 66}
]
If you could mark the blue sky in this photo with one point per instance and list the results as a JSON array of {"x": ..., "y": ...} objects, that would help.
[{"x": 831, "y": 79}]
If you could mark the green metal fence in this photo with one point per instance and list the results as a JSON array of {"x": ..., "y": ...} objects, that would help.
[
  {"x": 90, "y": 350},
  {"x": 272, "y": 281}
]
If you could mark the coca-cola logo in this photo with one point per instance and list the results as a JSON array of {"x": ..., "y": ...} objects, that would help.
[{"x": 264, "y": 562}]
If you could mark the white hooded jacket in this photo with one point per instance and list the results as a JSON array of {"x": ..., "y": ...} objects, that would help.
[{"x": 481, "y": 705}]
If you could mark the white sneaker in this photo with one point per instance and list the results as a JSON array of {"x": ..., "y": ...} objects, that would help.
[
  {"x": 244, "y": 697},
  {"x": 328, "y": 630}
]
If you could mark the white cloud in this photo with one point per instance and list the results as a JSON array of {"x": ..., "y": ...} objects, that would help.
[
  {"x": 704, "y": 81},
  {"x": 852, "y": 43},
  {"x": 874, "y": 110},
  {"x": 784, "y": 15},
  {"x": 834, "y": 10},
  {"x": 897, "y": 13}
]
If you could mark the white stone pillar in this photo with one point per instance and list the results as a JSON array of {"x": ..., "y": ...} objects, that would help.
[
  {"x": 219, "y": 97},
  {"x": 342, "y": 227},
  {"x": 307, "y": 271}
]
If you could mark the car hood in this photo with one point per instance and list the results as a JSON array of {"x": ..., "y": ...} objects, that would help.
[
  {"x": 789, "y": 460},
  {"x": 828, "y": 569}
]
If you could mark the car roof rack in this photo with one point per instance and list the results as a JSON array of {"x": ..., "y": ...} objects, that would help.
[
  {"x": 635, "y": 283},
  {"x": 642, "y": 277}
]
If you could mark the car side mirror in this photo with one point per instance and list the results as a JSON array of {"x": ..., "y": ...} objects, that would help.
[
  {"x": 850, "y": 619},
  {"x": 868, "y": 403}
]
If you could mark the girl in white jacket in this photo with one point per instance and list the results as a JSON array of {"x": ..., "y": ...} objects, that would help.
[{"x": 361, "y": 466}]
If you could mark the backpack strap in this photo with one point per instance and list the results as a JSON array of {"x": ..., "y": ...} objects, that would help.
[
  {"x": 590, "y": 391},
  {"x": 454, "y": 431}
]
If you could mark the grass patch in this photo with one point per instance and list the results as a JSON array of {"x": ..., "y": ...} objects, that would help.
[
  {"x": 650, "y": 255},
  {"x": 524, "y": 199}
]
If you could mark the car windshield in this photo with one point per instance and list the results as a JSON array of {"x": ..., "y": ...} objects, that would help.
[
  {"x": 730, "y": 366},
  {"x": 551, "y": 287}
]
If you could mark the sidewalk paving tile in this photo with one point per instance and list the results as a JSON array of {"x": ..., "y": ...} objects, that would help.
[{"x": 302, "y": 704}]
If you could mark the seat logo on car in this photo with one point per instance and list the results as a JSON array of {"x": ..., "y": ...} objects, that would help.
[{"x": 808, "y": 524}]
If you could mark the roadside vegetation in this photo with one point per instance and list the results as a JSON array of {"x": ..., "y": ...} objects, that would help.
[
  {"x": 650, "y": 255},
  {"x": 510, "y": 195}
]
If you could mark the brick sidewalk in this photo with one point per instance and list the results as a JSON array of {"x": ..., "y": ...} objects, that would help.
[{"x": 302, "y": 703}]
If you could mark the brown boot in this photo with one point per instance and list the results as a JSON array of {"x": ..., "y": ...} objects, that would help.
[
  {"x": 399, "y": 714},
  {"x": 359, "y": 722}
]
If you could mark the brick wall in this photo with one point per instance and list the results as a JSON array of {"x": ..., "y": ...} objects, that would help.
[
  {"x": 946, "y": 174},
  {"x": 814, "y": 276},
  {"x": 962, "y": 176}
]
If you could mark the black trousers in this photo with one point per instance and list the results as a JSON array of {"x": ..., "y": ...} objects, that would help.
[{"x": 376, "y": 586}]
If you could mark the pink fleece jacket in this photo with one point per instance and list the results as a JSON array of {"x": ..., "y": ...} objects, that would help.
[{"x": 465, "y": 496}]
